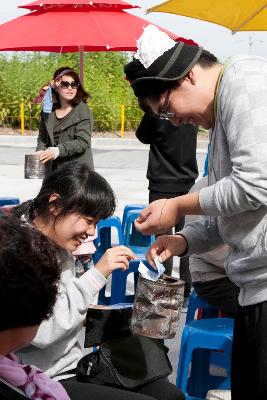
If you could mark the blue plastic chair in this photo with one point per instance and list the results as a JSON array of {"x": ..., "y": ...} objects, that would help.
[
  {"x": 8, "y": 201},
  {"x": 136, "y": 238},
  {"x": 196, "y": 303},
  {"x": 199, "y": 340},
  {"x": 104, "y": 229},
  {"x": 119, "y": 286},
  {"x": 130, "y": 207},
  {"x": 138, "y": 243},
  {"x": 204, "y": 310}
]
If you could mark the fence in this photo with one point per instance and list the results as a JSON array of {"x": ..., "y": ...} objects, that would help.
[{"x": 107, "y": 117}]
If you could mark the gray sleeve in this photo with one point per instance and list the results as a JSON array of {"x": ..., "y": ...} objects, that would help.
[
  {"x": 243, "y": 112},
  {"x": 75, "y": 296},
  {"x": 202, "y": 235}
]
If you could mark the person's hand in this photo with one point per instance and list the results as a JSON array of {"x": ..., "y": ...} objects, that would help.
[
  {"x": 38, "y": 152},
  {"x": 158, "y": 217},
  {"x": 47, "y": 155},
  {"x": 166, "y": 246},
  {"x": 114, "y": 258}
]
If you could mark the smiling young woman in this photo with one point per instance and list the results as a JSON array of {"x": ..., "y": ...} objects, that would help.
[{"x": 71, "y": 201}]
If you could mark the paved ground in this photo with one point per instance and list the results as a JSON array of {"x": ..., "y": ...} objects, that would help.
[{"x": 122, "y": 163}]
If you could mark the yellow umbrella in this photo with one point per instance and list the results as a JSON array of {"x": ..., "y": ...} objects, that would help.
[{"x": 237, "y": 15}]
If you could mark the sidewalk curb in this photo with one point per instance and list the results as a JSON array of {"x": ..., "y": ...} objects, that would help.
[
  {"x": 97, "y": 143},
  {"x": 30, "y": 141}
]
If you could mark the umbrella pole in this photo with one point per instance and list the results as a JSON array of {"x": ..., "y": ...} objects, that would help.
[{"x": 81, "y": 50}]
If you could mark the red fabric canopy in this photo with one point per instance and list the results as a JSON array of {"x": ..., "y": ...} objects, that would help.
[
  {"x": 68, "y": 29},
  {"x": 108, "y": 4}
]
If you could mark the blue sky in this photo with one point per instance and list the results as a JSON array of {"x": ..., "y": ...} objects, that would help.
[{"x": 216, "y": 39}]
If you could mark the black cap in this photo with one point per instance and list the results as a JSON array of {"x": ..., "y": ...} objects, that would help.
[{"x": 173, "y": 64}]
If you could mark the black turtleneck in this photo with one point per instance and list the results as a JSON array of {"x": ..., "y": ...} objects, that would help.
[{"x": 172, "y": 165}]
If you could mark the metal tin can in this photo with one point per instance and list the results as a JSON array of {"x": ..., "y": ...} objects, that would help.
[
  {"x": 157, "y": 307},
  {"x": 33, "y": 167}
]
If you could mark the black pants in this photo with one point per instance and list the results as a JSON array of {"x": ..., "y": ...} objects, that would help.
[
  {"x": 249, "y": 355},
  {"x": 221, "y": 293},
  {"x": 160, "y": 389},
  {"x": 184, "y": 262}
]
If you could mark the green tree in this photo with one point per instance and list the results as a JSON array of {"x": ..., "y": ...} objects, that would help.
[{"x": 22, "y": 75}]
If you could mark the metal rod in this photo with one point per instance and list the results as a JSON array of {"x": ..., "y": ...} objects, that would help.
[{"x": 81, "y": 50}]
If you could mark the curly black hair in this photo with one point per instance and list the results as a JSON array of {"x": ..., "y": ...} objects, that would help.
[{"x": 29, "y": 272}]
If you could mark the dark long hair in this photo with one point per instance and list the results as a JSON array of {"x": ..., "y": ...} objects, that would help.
[
  {"x": 81, "y": 94},
  {"x": 80, "y": 191}
]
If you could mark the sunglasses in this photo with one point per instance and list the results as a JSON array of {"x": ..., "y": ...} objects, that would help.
[
  {"x": 66, "y": 85},
  {"x": 164, "y": 113}
]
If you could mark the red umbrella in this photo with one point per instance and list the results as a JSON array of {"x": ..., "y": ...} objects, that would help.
[
  {"x": 43, "y": 5},
  {"x": 68, "y": 29},
  {"x": 80, "y": 26}
]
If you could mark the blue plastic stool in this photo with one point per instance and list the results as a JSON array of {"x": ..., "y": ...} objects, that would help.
[
  {"x": 199, "y": 340},
  {"x": 130, "y": 207},
  {"x": 118, "y": 286},
  {"x": 195, "y": 303},
  {"x": 8, "y": 201},
  {"x": 136, "y": 238},
  {"x": 138, "y": 243},
  {"x": 207, "y": 311},
  {"x": 103, "y": 241}
]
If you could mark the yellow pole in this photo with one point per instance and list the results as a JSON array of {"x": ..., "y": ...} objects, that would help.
[
  {"x": 22, "y": 118},
  {"x": 122, "y": 120}
]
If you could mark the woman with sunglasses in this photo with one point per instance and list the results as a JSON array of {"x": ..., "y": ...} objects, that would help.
[{"x": 65, "y": 133}]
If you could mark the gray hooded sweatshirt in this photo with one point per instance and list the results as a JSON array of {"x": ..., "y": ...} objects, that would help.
[
  {"x": 209, "y": 265},
  {"x": 237, "y": 191}
]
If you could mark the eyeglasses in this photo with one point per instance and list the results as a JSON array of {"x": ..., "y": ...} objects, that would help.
[
  {"x": 66, "y": 85},
  {"x": 164, "y": 113}
]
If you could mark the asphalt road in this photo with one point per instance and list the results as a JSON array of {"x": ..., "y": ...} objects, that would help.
[
  {"x": 103, "y": 158},
  {"x": 124, "y": 168}
]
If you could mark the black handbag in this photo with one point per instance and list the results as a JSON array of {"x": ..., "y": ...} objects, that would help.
[
  {"x": 105, "y": 324},
  {"x": 129, "y": 363}
]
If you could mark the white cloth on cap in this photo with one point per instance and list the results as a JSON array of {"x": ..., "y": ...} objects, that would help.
[{"x": 152, "y": 44}]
